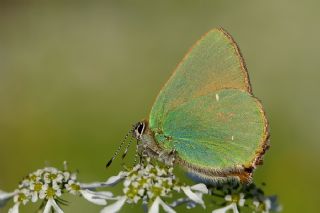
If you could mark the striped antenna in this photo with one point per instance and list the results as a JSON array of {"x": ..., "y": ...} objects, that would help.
[
  {"x": 119, "y": 148},
  {"x": 126, "y": 150},
  {"x": 136, "y": 155}
]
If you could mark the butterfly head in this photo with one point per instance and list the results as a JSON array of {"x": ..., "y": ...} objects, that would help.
[{"x": 139, "y": 129}]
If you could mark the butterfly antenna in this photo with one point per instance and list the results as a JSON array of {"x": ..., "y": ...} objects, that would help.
[
  {"x": 119, "y": 148},
  {"x": 126, "y": 150},
  {"x": 136, "y": 155}
]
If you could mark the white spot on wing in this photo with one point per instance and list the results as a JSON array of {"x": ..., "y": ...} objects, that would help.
[
  {"x": 232, "y": 137},
  {"x": 217, "y": 97}
]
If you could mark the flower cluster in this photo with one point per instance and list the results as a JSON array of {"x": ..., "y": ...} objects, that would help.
[
  {"x": 48, "y": 185},
  {"x": 238, "y": 196},
  {"x": 148, "y": 184},
  {"x": 44, "y": 184},
  {"x": 151, "y": 184}
]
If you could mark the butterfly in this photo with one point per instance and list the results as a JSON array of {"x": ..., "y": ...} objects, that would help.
[{"x": 205, "y": 118}]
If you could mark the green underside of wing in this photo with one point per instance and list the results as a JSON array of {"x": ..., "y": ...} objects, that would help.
[
  {"x": 212, "y": 133},
  {"x": 212, "y": 64},
  {"x": 187, "y": 117}
]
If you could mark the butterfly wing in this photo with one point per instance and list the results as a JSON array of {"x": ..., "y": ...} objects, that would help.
[
  {"x": 187, "y": 117},
  {"x": 213, "y": 63},
  {"x": 223, "y": 129}
]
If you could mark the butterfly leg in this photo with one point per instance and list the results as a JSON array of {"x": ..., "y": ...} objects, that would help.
[
  {"x": 167, "y": 157},
  {"x": 144, "y": 152}
]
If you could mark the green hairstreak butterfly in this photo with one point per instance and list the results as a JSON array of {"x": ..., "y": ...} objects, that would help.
[{"x": 205, "y": 118}]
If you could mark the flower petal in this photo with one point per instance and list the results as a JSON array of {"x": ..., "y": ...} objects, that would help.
[
  {"x": 55, "y": 206},
  {"x": 52, "y": 203},
  {"x": 193, "y": 196},
  {"x": 200, "y": 187},
  {"x": 267, "y": 204},
  {"x": 93, "y": 185},
  {"x": 155, "y": 206},
  {"x": 93, "y": 197},
  {"x": 145, "y": 204},
  {"x": 241, "y": 202},
  {"x": 232, "y": 206},
  {"x": 47, "y": 208},
  {"x": 34, "y": 197},
  {"x": 166, "y": 208},
  {"x": 228, "y": 198},
  {"x": 115, "y": 207},
  {"x": 179, "y": 202},
  {"x": 15, "y": 208},
  {"x": 115, "y": 179},
  {"x": 110, "y": 182},
  {"x": 191, "y": 205},
  {"x": 104, "y": 195},
  {"x": 5, "y": 196}
]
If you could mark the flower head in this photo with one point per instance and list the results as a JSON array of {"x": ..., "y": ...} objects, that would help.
[
  {"x": 149, "y": 184},
  {"x": 152, "y": 184},
  {"x": 48, "y": 184}
]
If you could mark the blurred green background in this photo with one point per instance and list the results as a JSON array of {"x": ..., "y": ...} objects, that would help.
[{"x": 75, "y": 76}]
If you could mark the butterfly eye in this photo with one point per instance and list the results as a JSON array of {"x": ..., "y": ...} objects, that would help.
[{"x": 139, "y": 129}]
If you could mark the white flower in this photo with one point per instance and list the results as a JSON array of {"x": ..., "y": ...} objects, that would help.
[
  {"x": 196, "y": 196},
  {"x": 51, "y": 203},
  {"x": 236, "y": 199},
  {"x": 24, "y": 183},
  {"x": 267, "y": 206},
  {"x": 50, "y": 192},
  {"x": 5, "y": 196},
  {"x": 231, "y": 206},
  {"x": 15, "y": 208},
  {"x": 156, "y": 190},
  {"x": 151, "y": 184},
  {"x": 66, "y": 176},
  {"x": 200, "y": 187},
  {"x": 22, "y": 196},
  {"x": 256, "y": 203},
  {"x": 53, "y": 177},
  {"x": 38, "y": 172},
  {"x": 44, "y": 183},
  {"x": 73, "y": 176},
  {"x": 228, "y": 198},
  {"x": 115, "y": 207},
  {"x": 72, "y": 187},
  {"x": 110, "y": 182},
  {"x": 161, "y": 171},
  {"x": 50, "y": 170},
  {"x": 241, "y": 200},
  {"x": 180, "y": 201},
  {"x": 158, "y": 202},
  {"x": 35, "y": 189},
  {"x": 34, "y": 177},
  {"x": 98, "y": 198}
]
